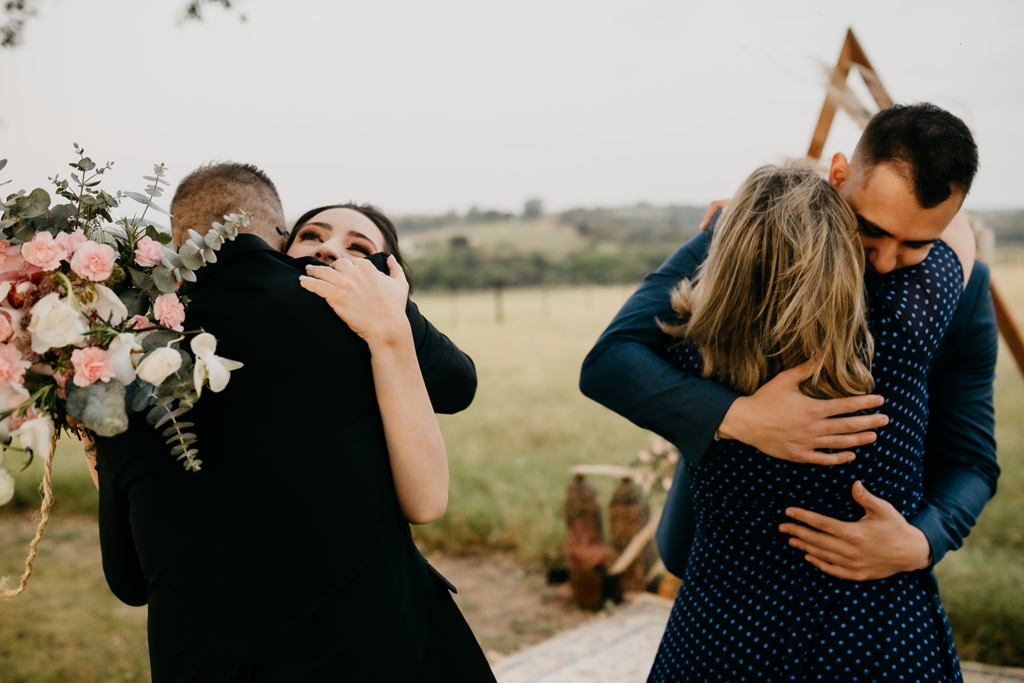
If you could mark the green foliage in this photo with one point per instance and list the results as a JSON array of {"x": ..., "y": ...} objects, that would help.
[{"x": 603, "y": 246}]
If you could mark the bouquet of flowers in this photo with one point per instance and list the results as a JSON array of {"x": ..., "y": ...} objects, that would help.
[{"x": 91, "y": 322}]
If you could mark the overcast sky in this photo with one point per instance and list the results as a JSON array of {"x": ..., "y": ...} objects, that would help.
[{"x": 431, "y": 106}]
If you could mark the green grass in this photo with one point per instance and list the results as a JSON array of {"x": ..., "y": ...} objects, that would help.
[
  {"x": 982, "y": 585},
  {"x": 510, "y": 455}
]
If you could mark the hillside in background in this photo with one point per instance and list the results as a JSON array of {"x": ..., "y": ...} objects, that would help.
[
  {"x": 488, "y": 248},
  {"x": 579, "y": 246}
]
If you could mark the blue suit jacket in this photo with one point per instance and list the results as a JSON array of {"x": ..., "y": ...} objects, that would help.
[{"x": 626, "y": 372}]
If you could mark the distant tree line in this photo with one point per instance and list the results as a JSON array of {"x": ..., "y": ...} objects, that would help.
[{"x": 620, "y": 246}]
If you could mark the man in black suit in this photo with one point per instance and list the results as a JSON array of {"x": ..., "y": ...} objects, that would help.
[
  {"x": 626, "y": 371},
  {"x": 286, "y": 557}
]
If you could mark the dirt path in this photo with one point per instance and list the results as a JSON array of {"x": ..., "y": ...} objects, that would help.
[{"x": 508, "y": 607}]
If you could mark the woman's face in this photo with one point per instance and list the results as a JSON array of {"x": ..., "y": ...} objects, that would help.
[{"x": 337, "y": 233}]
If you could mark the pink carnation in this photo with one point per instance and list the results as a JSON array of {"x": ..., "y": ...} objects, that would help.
[
  {"x": 92, "y": 364},
  {"x": 12, "y": 366},
  {"x": 4, "y": 246},
  {"x": 169, "y": 311},
  {"x": 148, "y": 252},
  {"x": 43, "y": 251},
  {"x": 6, "y": 329},
  {"x": 94, "y": 262},
  {"x": 139, "y": 322},
  {"x": 71, "y": 241}
]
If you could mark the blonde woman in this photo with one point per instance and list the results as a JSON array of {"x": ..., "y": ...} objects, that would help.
[{"x": 784, "y": 285}]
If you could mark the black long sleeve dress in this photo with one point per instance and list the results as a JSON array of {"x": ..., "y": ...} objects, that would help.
[{"x": 287, "y": 556}]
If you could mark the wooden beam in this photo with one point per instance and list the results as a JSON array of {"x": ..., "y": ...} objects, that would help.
[
  {"x": 868, "y": 73},
  {"x": 1011, "y": 333},
  {"x": 828, "y": 109},
  {"x": 851, "y": 54}
]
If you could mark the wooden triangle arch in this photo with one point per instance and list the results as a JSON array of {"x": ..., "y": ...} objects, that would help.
[{"x": 840, "y": 96}]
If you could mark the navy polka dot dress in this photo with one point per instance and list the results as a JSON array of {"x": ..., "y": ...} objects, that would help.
[{"x": 750, "y": 607}]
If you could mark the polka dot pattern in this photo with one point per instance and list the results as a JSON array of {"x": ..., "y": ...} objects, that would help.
[{"x": 751, "y": 608}]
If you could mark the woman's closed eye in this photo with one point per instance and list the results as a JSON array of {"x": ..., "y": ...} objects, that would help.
[
  {"x": 363, "y": 248},
  {"x": 309, "y": 235}
]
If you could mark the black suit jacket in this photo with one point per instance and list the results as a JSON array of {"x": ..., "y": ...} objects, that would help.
[
  {"x": 286, "y": 557},
  {"x": 626, "y": 372}
]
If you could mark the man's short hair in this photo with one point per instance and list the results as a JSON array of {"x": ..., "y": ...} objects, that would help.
[
  {"x": 930, "y": 148},
  {"x": 210, "y": 192}
]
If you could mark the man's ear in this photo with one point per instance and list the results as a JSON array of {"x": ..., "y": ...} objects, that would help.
[{"x": 839, "y": 171}]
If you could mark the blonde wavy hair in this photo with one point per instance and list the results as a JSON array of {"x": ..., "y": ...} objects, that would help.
[{"x": 782, "y": 284}]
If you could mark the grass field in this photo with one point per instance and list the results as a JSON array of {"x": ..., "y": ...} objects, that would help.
[{"x": 510, "y": 456}]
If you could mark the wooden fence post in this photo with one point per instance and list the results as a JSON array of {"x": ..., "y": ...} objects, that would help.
[
  {"x": 585, "y": 551},
  {"x": 628, "y": 513}
]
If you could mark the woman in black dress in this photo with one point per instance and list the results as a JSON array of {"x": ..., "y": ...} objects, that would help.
[{"x": 289, "y": 556}]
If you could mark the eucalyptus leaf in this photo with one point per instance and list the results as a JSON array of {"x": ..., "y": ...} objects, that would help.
[
  {"x": 138, "y": 196},
  {"x": 145, "y": 395},
  {"x": 190, "y": 256},
  {"x": 158, "y": 208},
  {"x": 214, "y": 240},
  {"x": 3, "y": 162},
  {"x": 141, "y": 280},
  {"x": 136, "y": 300},
  {"x": 157, "y": 338},
  {"x": 157, "y": 414},
  {"x": 168, "y": 416},
  {"x": 172, "y": 256},
  {"x": 164, "y": 279},
  {"x": 59, "y": 215},
  {"x": 197, "y": 239},
  {"x": 178, "y": 425},
  {"x": 24, "y": 232},
  {"x": 210, "y": 255},
  {"x": 188, "y": 275}
]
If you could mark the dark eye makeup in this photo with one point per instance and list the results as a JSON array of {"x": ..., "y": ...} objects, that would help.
[{"x": 309, "y": 233}]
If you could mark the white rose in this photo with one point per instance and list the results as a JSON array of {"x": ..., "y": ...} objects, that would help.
[
  {"x": 209, "y": 365},
  {"x": 56, "y": 323},
  {"x": 120, "y": 351},
  {"x": 6, "y": 487},
  {"x": 159, "y": 365},
  {"x": 35, "y": 435},
  {"x": 108, "y": 306}
]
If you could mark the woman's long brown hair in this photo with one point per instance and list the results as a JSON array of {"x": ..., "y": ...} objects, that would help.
[{"x": 782, "y": 284}]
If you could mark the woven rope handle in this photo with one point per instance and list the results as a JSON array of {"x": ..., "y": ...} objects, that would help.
[{"x": 46, "y": 489}]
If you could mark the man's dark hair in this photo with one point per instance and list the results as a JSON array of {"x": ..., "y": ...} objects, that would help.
[
  {"x": 930, "y": 148},
  {"x": 210, "y": 192}
]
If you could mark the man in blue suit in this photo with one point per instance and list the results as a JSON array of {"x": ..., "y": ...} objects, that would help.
[{"x": 626, "y": 372}]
